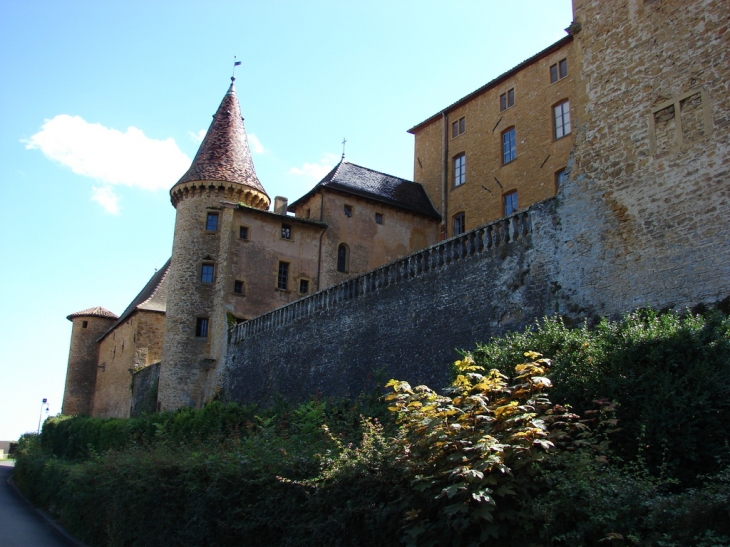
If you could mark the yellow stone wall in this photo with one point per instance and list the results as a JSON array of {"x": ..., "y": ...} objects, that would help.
[{"x": 539, "y": 154}]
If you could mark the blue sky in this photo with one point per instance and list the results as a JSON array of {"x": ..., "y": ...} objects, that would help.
[{"x": 103, "y": 104}]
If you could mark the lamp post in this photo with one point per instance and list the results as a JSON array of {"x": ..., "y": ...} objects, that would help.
[{"x": 41, "y": 414}]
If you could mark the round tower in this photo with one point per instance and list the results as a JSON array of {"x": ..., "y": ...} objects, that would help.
[
  {"x": 221, "y": 175},
  {"x": 83, "y": 356}
]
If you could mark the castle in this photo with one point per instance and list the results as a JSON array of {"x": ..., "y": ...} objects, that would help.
[{"x": 588, "y": 180}]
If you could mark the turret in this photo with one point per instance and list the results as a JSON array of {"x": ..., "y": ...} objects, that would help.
[
  {"x": 221, "y": 176},
  {"x": 83, "y": 357}
]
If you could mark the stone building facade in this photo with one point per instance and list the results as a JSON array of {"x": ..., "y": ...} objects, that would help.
[{"x": 635, "y": 125}]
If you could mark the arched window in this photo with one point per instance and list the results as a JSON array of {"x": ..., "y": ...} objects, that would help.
[{"x": 343, "y": 258}]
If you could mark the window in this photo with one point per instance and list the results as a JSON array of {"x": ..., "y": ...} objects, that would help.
[
  {"x": 507, "y": 99},
  {"x": 509, "y": 145},
  {"x": 84, "y": 324},
  {"x": 348, "y": 210},
  {"x": 561, "y": 119},
  {"x": 459, "y": 169},
  {"x": 309, "y": 212},
  {"x": 238, "y": 287},
  {"x": 343, "y": 258},
  {"x": 211, "y": 222},
  {"x": 201, "y": 327},
  {"x": 458, "y": 127},
  {"x": 243, "y": 232},
  {"x": 510, "y": 202},
  {"x": 378, "y": 218},
  {"x": 560, "y": 177},
  {"x": 558, "y": 71},
  {"x": 459, "y": 224},
  {"x": 282, "y": 279},
  {"x": 286, "y": 231},
  {"x": 206, "y": 273},
  {"x": 303, "y": 286}
]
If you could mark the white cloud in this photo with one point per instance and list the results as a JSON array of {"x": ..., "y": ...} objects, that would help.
[
  {"x": 110, "y": 156},
  {"x": 197, "y": 137},
  {"x": 316, "y": 171},
  {"x": 255, "y": 144},
  {"x": 106, "y": 197}
]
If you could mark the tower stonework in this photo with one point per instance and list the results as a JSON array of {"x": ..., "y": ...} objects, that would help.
[
  {"x": 221, "y": 177},
  {"x": 88, "y": 326}
]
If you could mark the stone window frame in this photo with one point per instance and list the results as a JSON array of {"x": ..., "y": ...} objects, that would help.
[
  {"x": 512, "y": 156},
  {"x": 287, "y": 232},
  {"x": 202, "y": 327},
  {"x": 507, "y": 99},
  {"x": 507, "y": 202},
  {"x": 84, "y": 324},
  {"x": 203, "y": 266},
  {"x": 307, "y": 281},
  {"x": 282, "y": 276},
  {"x": 676, "y": 102},
  {"x": 208, "y": 216},
  {"x": 560, "y": 175},
  {"x": 559, "y": 74},
  {"x": 247, "y": 229},
  {"x": 569, "y": 123},
  {"x": 458, "y": 127},
  {"x": 343, "y": 258},
  {"x": 458, "y": 223},
  {"x": 458, "y": 165},
  {"x": 239, "y": 283}
]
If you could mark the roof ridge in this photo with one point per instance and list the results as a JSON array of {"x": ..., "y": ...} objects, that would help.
[
  {"x": 166, "y": 269},
  {"x": 383, "y": 173}
]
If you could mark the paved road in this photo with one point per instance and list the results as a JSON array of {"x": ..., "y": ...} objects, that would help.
[{"x": 21, "y": 526}]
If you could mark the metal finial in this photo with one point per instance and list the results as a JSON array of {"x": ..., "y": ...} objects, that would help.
[
  {"x": 235, "y": 64},
  {"x": 344, "y": 141}
]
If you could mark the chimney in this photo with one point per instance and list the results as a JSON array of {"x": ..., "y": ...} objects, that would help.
[{"x": 280, "y": 204}]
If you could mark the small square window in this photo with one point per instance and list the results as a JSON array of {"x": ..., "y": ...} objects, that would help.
[
  {"x": 509, "y": 145},
  {"x": 84, "y": 324},
  {"x": 238, "y": 286},
  {"x": 378, "y": 218},
  {"x": 459, "y": 169},
  {"x": 458, "y": 127},
  {"x": 206, "y": 273},
  {"x": 507, "y": 99},
  {"x": 243, "y": 232},
  {"x": 282, "y": 278},
  {"x": 510, "y": 203},
  {"x": 211, "y": 222},
  {"x": 558, "y": 71},
  {"x": 201, "y": 327},
  {"x": 303, "y": 286},
  {"x": 348, "y": 210},
  {"x": 286, "y": 231},
  {"x": 459, "y": 224}
]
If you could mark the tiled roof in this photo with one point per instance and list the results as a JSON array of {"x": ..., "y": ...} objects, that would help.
[
  {"x": 367, "y": 183},
  {"x": 224, "y": 153},
  {"x": 152, "y": 297},
  {"x": 496, "y": 81},
  {"x": 98, "y": 311}
]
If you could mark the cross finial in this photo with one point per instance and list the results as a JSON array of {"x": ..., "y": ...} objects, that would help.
[
  {"x": 344, "y": 141},
  {"x": 235, "y": 64}
]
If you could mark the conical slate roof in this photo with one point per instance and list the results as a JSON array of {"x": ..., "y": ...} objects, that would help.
[
  {"x": 98, "y": 311},
  {"x": 224, "y": 154}
]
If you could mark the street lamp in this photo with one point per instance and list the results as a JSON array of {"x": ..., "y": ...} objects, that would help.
[{"x": 45, "y": 401}]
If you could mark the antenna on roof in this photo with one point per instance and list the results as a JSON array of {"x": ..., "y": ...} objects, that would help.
[
  {"x": 344, "y": 141},
  {"x": 235, "y": 64}
]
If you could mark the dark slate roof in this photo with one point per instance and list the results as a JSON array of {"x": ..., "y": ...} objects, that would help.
[
  {"x": 498, "y": 80},
  {"x": 361, "y": 181},
  {"x": 98, "y": 311},
  {"x": 152, "y": 297},
  {"x": 224, "y": 153}
]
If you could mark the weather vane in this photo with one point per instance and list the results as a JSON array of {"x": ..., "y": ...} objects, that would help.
[
  {"x": 235, "y": 64},
  {"x": 344, "y": 140}
]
